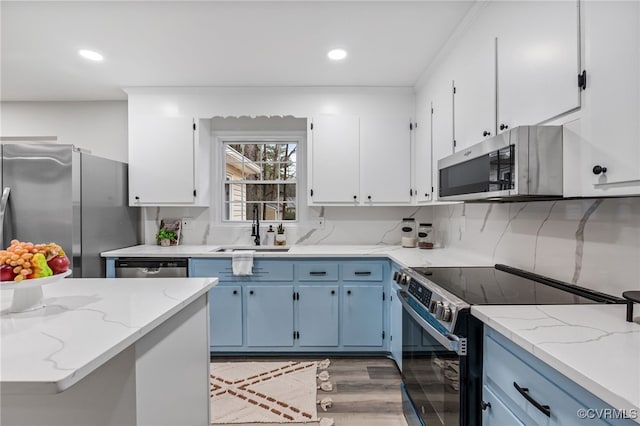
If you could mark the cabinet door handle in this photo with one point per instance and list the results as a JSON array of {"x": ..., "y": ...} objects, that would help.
[
  {"x": 349, "y": 292},
  {"x": 503, "y": 126},
  {"x": 599, "y": 169},
  {"x": 333, "y": 292},
  {"x": 251, "y": 292},
  {"x": 486, "y": 133},
  {"x": 355, "y": 197},
  {"x": 485, "y": 405},
  {"x": 369, "y": 197},
  {"x": 362, "y": 273},
  {"x": 317, "y": 273},
  {"x": 544, "y": 409},
  {"x": 235, "y": 291}
]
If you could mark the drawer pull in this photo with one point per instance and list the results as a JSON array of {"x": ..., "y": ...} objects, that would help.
[
  {"x": 235, "y": 291},
  {"x": 362, "y": 273},
  {"x": 544, "y": 409},
  {"x": 318, "y": 273},
  {"x": 333, "y": 292}
]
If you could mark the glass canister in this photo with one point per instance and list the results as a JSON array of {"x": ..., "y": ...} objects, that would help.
[
  {"x": 425, "y": 236},
  {"x": 408, "y": 232}
]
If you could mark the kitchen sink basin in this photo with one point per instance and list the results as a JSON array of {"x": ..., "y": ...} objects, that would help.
[{"x": 258, "y": 249}]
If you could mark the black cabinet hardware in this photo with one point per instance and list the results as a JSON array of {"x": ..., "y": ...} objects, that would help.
[
  {"x": 599, "y": 169},
  {"x": 318, "y": 273},
  {"x": 503, "y": 126},
  {"x": 544, "y": 409},
  {"x": 349, "y": 292},
  {"x": 235, "y": 291},
  {"x": 632, "y": 297},
  {"x": 362, "y": 273},
  {"x": 369, "y": 197},
  {"x": 355, "y": 197},
  {"x": 411, "y": 192},
  {"x": 383, "y": 296},
  {"x": 251, "y": 292},
  {"x": 485, "y": 405},
  {"x": 137, "y": 198},
  {"x": 582, "y": 80},
  {"x": 333, "y": 292},
  {"x": 311, "y": 192},
  {"x": 486, "y": 133}
]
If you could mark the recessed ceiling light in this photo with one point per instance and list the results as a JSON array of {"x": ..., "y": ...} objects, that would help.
[
  {"x": 337, "y": 54},
  {"x": 91, "y": 55}
]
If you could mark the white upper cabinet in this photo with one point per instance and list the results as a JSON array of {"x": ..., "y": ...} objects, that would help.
[
  {"x": 538, "y": 60},
  {"x": 334, "y": 173},
  {"x": 161, "y": 161},
  {"x": 473, "y": 73},
  {"x": 385, "y": 158},
  {"x": 442, "y": 128},
  {"x": 422, "y": 156},
  {"x": 611, "y": 133}
]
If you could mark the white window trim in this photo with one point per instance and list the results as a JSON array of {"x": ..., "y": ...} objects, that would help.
[{"x": 219, "y": 170}]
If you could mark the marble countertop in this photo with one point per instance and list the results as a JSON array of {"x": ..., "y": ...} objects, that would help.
[
  {"x": 405, "y": 257},
  {"x": 592, "y": 345},
  {"x": 85, "y": 323}
]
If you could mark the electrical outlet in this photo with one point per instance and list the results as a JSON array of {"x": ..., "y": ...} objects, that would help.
[
  {"x": 321, "y": 222},
  {"x": 187, "y": 223}
]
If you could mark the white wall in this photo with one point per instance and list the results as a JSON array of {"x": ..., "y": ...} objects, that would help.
[{"x": 99, "y": 126}]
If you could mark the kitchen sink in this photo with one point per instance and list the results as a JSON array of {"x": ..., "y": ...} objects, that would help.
[{"x": 258, "y": 249}]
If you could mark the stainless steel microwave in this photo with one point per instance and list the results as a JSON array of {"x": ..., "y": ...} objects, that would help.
[{"x": 523, "y": 163}]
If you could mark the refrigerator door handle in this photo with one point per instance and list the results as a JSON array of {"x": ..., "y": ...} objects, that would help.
[{"x": 3, "y": 204}]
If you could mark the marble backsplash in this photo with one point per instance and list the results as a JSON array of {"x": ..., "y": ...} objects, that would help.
[
  {"x": 594, "y": 243},
  {"x": 342, "y": 226}
]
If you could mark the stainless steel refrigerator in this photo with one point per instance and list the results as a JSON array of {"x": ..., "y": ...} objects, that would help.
[{"x": 57, "y": 193}]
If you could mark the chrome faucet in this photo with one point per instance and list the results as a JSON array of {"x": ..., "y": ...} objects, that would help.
[{"x": 255, "y": 226}]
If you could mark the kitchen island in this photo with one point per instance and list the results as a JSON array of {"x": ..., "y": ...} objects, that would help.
[{"x": 108, "y": 352}]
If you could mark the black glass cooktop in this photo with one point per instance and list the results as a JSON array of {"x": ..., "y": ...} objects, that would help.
[{"x": 503, "y": 285}]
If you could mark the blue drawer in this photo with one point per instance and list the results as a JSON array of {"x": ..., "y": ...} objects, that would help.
[
  {"x": 362, "y": 271},
  {"x": 316, "y": 271},
  {"x": 263, "y": 270}
]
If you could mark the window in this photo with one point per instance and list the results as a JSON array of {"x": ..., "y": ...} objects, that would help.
[{"x": 260, "y": 175}]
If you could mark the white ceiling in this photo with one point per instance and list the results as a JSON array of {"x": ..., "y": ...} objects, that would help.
[{"x": 215, "y": 43}]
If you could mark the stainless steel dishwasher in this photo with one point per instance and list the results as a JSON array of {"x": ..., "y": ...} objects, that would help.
[{"x": 151, "y": 268}]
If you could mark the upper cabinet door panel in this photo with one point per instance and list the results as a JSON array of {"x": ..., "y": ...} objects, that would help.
[
  {"x": 474, "y": 80},
  {"x": 385, "y": 156},
  {"x": 538, "y": 60},
  {"x": 161, "y": 161},
  {"x": 334, "y": 158},
  {"x": 612, "y": 98}
]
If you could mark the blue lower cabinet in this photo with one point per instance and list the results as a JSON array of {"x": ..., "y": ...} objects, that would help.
[
  {"x": 269, "y": 316},
  {"x": 362, "y": 315},
  {"x": 495, "y": 412},
  {"x": 225, "y": 315},
  {"x": 318, "y": 315}
]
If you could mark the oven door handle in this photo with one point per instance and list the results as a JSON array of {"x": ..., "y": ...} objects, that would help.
[{"x": 449, "y": 341}]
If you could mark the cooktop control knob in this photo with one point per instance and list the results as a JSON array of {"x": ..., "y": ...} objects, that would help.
[
  {"x": 433, "y": 306},
  {"x": 446, "y": 314},
  {"x": 439, "y": 310}
]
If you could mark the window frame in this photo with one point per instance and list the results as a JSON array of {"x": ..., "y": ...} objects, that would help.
[{"x": 222, "y": 139}]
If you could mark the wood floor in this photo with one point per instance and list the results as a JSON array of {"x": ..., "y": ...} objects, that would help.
[{"x": 366, "y": 391}]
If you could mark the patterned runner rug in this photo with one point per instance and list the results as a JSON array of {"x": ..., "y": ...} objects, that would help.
[{"x": 263, "y": 392}]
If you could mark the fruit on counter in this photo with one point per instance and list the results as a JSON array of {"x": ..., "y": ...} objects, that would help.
[
  {"x": 59, "y": 264},
  {"x": 6, "y": 273},
  {"x": 29, "y": 260},
  {"x": 39, "y": 267}
]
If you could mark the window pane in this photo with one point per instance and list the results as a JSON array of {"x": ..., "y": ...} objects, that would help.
[{"x": 258, "y": 162}]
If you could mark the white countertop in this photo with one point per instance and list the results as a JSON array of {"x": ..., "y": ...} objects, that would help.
[
  {"x": 405, "y": 257},
  {"x": 86, "y": 322},
  {"x": 592, "y": 345}
]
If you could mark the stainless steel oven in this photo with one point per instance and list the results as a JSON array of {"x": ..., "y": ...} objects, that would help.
[{"x": 442, "y": 342}]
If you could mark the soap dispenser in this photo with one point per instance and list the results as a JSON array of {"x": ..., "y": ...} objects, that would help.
[{"x": 271, "y": 236}]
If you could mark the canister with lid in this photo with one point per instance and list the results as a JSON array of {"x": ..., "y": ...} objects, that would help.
[
  {"x": 408, "y": 232},
  {"x": 425, "y": 236}
]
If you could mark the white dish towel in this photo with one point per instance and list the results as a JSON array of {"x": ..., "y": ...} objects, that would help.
[{"x": 242, "y": 263}]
